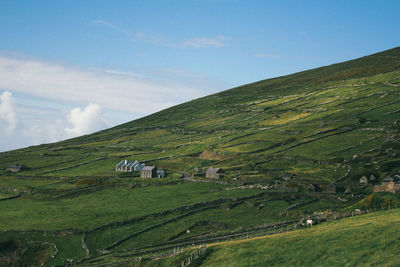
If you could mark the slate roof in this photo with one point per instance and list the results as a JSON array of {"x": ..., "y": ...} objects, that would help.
[
  {"x": 148, "y": 168},
  {"x": 128, "y": 164},
  {"x": 388, "y": 179},
  {"x": 212, "y": 169},
  {"x": 15, "y": 166},
  {"x": 122, "y": 163}
]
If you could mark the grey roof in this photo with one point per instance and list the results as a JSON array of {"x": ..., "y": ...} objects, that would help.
[
  {"x": 148, "y": 168},
  {"x": 132, "y": 163},
  {"x": 15, "y": 166},
  {"x": 388, "y": 179},
  {"x": 213, "y": 169},
  {"x": 126, "y": 163},
  {"x": 122, "y": 163}
]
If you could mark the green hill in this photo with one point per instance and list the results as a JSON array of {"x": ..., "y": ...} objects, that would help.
[
  {"x": 289, "y": 146},
  {"x": 368, "y": 240}
]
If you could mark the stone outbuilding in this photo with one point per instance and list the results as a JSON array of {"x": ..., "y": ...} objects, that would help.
[
  {"x": 160, "y": 173},
  {"x": 148, "y": 172},
  {"x": 388, "y": 185},
  {"x": 364, "y": 180},
  {"x": 16, "y": 168},
  {"x": 214, "y": 173}
]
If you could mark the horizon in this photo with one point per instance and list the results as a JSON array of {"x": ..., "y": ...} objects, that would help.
[{"x": 90, "y": 67}]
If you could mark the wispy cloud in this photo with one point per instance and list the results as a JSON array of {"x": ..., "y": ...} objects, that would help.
[
  {"x": 203, "y": 42},
  {"x": 23, "y": 125},
  {"x": 270, "y": 56},
  {"x": 103, "y": 23},
  {"x": 156, "y": 38},
  {"x": 55, "y": 98},
  {"x": 133, "y": 36},
  {"x": 122, "y": 91}
]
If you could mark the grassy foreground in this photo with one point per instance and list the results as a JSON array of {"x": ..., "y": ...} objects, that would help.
[{"x": 367, "y": 240}]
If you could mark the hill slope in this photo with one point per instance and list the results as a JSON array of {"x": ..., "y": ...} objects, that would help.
[
  {"x": 368, "y": 240},
  {"x": 282, "y": 143},
  {"x": 310, "y": 124}
]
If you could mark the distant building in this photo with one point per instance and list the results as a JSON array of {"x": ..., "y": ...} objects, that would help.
[
  {"x": 363, "y": 180},
  {"x": 160, "y": 173},
  {"x": 148, "y": 172},
  {"x": 129, "y": 166},
  {"x": 214, "y": 173},
  {"x": 16, "y": 168},
  {"x": 388, "y": 185}
]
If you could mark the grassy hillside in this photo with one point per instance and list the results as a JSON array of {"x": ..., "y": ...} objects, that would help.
[
  {"x": 282, "y": 143},
  {"x": 367, "y": 240},
  {"x": 310, "y": 124}
]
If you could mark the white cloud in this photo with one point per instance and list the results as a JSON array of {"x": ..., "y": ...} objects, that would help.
[
  {"x": 121, "y": 91},
  {"x": 23, "y": 126},
  {"x": 8, "y": 115},
  {"x": 40, "y": 107},
  {"x": 40, "y": 132},
  {"x": 84, "y": 121}
]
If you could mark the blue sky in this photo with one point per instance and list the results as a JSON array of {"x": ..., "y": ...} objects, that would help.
[{"x": 60, "y": 56}]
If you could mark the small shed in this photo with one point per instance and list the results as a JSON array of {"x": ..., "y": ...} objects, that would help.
[
  {"x": 15, "y": 168},
  {"x": 214, "y": 173},
  {"x": 160, "y": 173},
  {"x": 363, "y": 180},
  {"x": 148, "y": 172}
]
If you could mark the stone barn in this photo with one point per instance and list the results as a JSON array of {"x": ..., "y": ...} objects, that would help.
[
  {"x": 16, "y": 168},
  {"x": 364, "y": 180},
  {"x": 148, "y": 172},
  {"x": 214, "y": 173},
  {"x": 388, "y": 185},
  {"x": 160, "y": 173}
]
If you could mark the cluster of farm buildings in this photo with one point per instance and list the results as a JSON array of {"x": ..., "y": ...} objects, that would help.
[
  {"x": 134, "y": 166},
  {"x": 389, "y": 184},
  {"x": 145, "y": 171},
  {"x": 152, "y": 171}
]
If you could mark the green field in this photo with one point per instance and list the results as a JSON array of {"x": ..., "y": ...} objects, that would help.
[
  {"x": 275, "y": 139},
  {"x": 367, "y": 240}
]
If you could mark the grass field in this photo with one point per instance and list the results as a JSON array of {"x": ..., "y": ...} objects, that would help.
[{"x": 367, "y": 240}]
